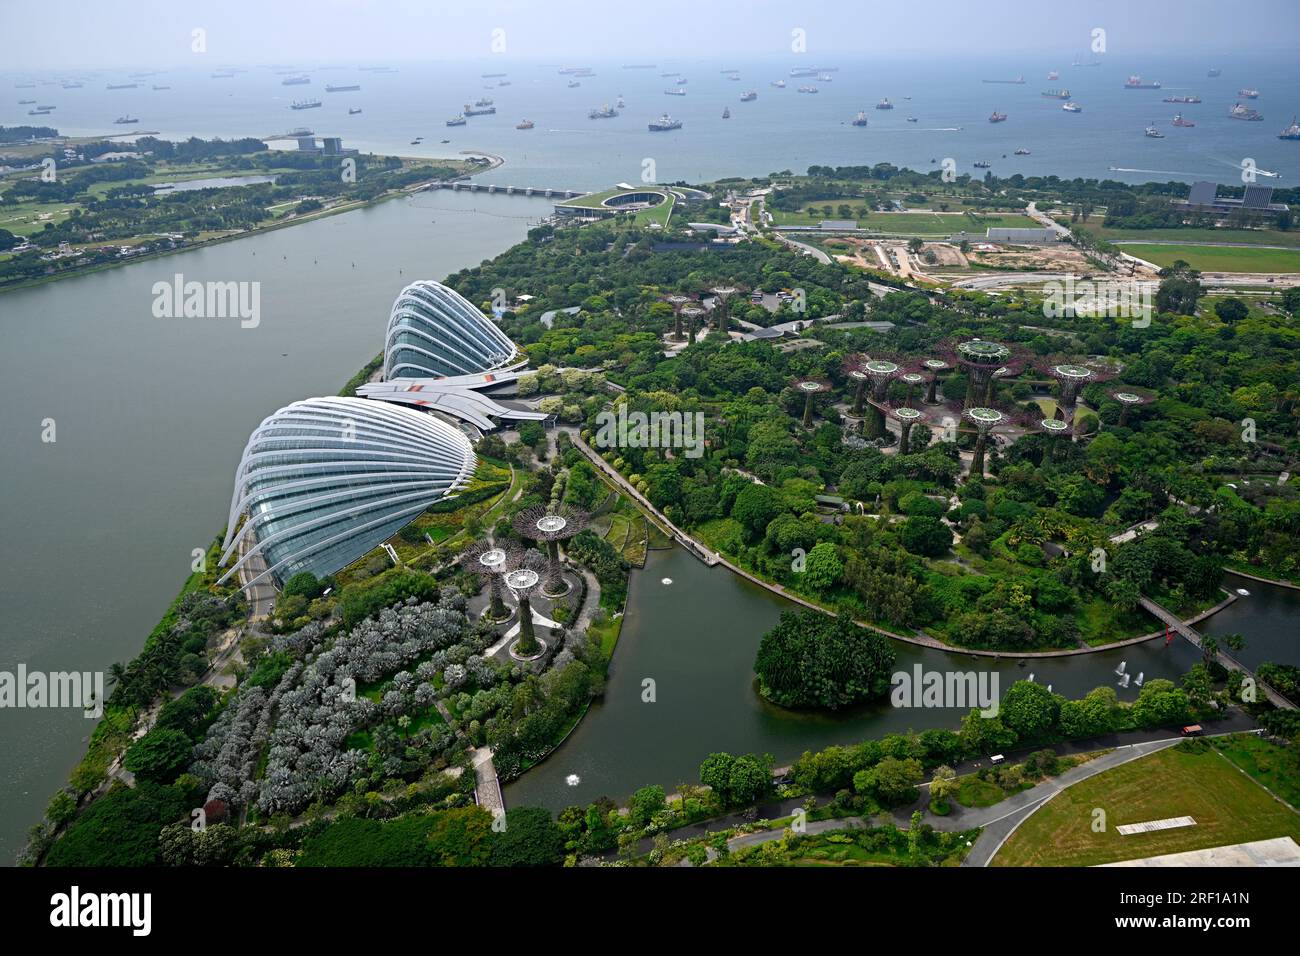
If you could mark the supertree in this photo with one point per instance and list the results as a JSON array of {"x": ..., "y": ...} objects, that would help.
[
  {"x": 933, "y": 367},
  {"x": 984, "y": 361},
  {"x": 692, "y": 313},
  {"x": 523, "y": 580},
  {"x": 881, "y": 371},
  {"x": 809, "y": 387},
  {"x": 491, "y": 561},
  {"x": 985, "y": 420},
  {"x": 906, "y": 416},
  {"x": 1072, "y": 378},
  {"x": 678, "y": 302},
  {"x": 911, "y": 380},
  {"x": 551, "y": 525},
  {"x": 1128, "y": 398},
  {"x": 1053, "y": 428},
  {"x": 723, "y": 294}
]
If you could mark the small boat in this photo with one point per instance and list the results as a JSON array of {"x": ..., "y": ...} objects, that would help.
[
  {"x": 444, "y": 141},
  {"x": 525, "y": 124},
  {"x": 620, "y": 104},
  {"x": 779, "y": 84},
  {"x": 1022, "y": 151},
  {"x": 354, "y": 110},
  {"x": 1179, "y": 121},
  {"x": 982, "y": 164},
  {"x": 573, "y": 83},
  {"x": 1053, "y": 75},
  {"x": 726, "y": 112},
  {"x": 996, "y": 117},
  {"x": 1072, "y": 108},
  {"x": 26, "y": 102},
  {"x": 1154, "y": 133},
  {"x": 1213, "y": 72},
  {"x": 885, "y": 104},
  {"x": 912, "y": 119},
  {"x": 749, "y": 96},
  {"x": 1248, "y": 94}
]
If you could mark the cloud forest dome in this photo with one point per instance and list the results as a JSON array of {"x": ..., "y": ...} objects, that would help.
[
  {"x": 434, "y": 331},
  {"x": 325, "y": 480}
]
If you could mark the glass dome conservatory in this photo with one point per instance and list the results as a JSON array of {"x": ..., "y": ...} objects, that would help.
[
  {"x": 434, "y": 331},
  {"x": 324, "y": 481}
]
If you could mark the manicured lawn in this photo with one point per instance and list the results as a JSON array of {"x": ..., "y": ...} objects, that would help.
[
  {"x": 923, "y": 224},
  {"x": 1217, "y": 259},
  {"x": 1267, "y": 237},
  {"x": 1227, "y": 805},
  {"x": 1277, "y": 768}
]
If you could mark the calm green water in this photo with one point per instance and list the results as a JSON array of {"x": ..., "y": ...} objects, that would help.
[
  {"x": 696, "y": 638},
  {"x": 151, "y": 415}
]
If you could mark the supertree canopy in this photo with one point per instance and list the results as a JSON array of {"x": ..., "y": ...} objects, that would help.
[
  {"x": 523, "y": 579},
  {"x": 880, "y": 372},
  {"x": 984, "y": 361},
  {"x": 692, "y": 313},
  {"x": 984, "y": 419},
  {"x": 1073, "y": 377},
  {"x": 1130, "y": 398},
  {"x": 809, "y": 387},
  {"x": 551, "y": 525}
]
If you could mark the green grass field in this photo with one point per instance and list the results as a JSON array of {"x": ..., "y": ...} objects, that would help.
[
  {"x": 1228, "y": 806},
  {"x": 1219, "y": 259},
  {"x": 1265, "y": 237},
  {"x": 922, "y": 224}
]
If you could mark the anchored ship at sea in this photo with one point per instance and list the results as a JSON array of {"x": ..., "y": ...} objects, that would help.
[
  {"x": 664, "y": 123},
  {"x": 1182, "y": 99},
  {"x": 749, "y": 97},
  {"x": 1180, "y": 121},
  {"x": 885, "y": 104},
  {"x": 1248, "y": 94},
  {"x": 1214, "y": 71},
  {"x": 480, "y": 110},
  {"x": 1241, "y": 112},
  {"x": 304, "y": 104},
  {"x": 807, "y": 89},
  {"x": 1056, "y": 94},
  {"x": 996, "y": 117},
  {"x": 860, "y": 119},
  {"x": 1072, "y": 107},
  {"x": 1134, "y": 82},
  {"x": 457, "y": 120},
  {"x": 1154, "y": 133},
  {"x": 677, "y": 92},
  {"x": 779, "y": 84},
  {"x": 342, "y": 89},
  {"x": 605, "y": 112},
  {"x": 525, "y": 124},
  {"x": 1018, "y": 81},
  {"x": 1291, "y": 132},
  {"x": 126, "y": 120},
  {"x": 295, "y": 80}
]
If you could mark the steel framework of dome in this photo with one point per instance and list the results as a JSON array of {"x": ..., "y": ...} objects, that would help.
[
  {"x": 435, "y": 332},
  {"x": 325, "y": 480}
]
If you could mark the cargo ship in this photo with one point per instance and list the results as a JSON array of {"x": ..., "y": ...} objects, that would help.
[
  {"x": 342, "y": 89},
  {"x": 1291, "y": 132},
  {"x": 1154, "y": 133},
  {"x": 1134, "y": 82},
  {"x": 1248, "y": 94},
  {"x": 26, "y": 102},
  {"x": 1018, "y": 81},
  {"x": 73, "y": 86},
  {"x": 295, "y": 80},
  {"x": 860, "y": 119},
  {"x": 457, "y": 120},
  {"x": 42, "y": 113},
  {"x": 525, "y": 124},
  {"x": 126, "y": 120},
  {"x": 1182, "y": 99},
  {"x": 1180, "y": 121},
  {"x": 749, "y": 97},
  {"x": 664, "y": 123},
  {"x": 605, "y": 112},
  {"x": 1056, "y": 94},
  {"x": 304, "y": 104},
  {"x": 122, "y": 86},
  {"x": 996, "y": 117},
  {"x": 982, "y": 164},
  {"x": 807, "y": 89},
  {"x": 803, "y": 71},
  {"x": 1022, "y": 151},
  {"x": 677, "y": 92},
  {"x": 353, "y": 111},
  {"x": 1053, "y": 75},
  {"x": 1072, "y": 107},
  {"x": 573, "y": 83},
  {"x": 157, "y": 87},
  {"x": 479, "y": 110},
  {"x": 1244, "y": 113},
  {"x": 821, "y": 78},
  {"x": 1213, "y": 72},
  {"x": 885, "y": 104},
  {"x": 779, "y": 84},
  {"x": 490, "y": 76}
]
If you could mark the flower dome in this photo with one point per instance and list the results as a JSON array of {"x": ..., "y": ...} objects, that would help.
[
  {"x": 324, "y": 481},
  {"x": 434, "y": 331}
]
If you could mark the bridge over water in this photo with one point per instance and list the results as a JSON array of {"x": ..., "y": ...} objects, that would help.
[
  {"x": 461, "y": 185},
  {"x": 1172, "y": 622}
]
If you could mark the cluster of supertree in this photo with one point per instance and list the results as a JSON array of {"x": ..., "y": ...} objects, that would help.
[
  {"x": 723, "y": 295},
  {"x": 549, "y": 525},
  {"x": 488, "y": 560},
  {"x": 872, "y": 375},
  {"x": 523, "y": 580},
  {"x": 679, "y": 303}
]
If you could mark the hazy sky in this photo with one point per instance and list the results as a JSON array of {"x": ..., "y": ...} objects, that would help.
[{"x": 143, "y": 33}]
